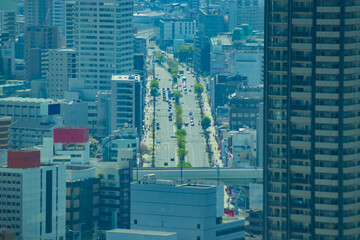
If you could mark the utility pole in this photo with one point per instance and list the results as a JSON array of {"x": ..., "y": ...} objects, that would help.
[{"x": 153, "y": 153}]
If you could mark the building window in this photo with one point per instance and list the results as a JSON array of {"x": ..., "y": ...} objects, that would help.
[
  {"x": 198, "y": 238},
  {"x": 198, "y": 226},
  {"x": 135, "y": 221}
]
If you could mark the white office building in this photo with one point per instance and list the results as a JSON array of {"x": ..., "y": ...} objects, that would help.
[
  {"x": 126, "y": 102},
  {"x": 194, "y": 211},
  {"x": 33, "y": 198},
  {"x": 103, "y": 41},
  {"x": 171, "y": 29},
  {"x": 62, "y": 67}
]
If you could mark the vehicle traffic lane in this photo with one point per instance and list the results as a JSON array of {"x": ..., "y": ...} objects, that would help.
[{"x": 166, "y": 143}]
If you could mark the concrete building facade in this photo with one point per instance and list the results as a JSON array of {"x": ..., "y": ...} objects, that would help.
[
  {"x": 311, "y": 147},
  {"x": 103, "y": 42},
  {"x": 62, "y": 67},
  {"x": 33, "y": 201},
  {"x": 126, "y": 102},
  {"x": 194, "y": 211}
]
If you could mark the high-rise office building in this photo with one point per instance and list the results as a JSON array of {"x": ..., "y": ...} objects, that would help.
[
  {"x": 103, "y": 41},
  {"x": 37, "y": 12},
  {"x": 114, "y": 207},
  {"x": 62, "y": 67},
  {"x": 126, "y": 102},
  {"x": 37, "y": 40},
  {"x": 69, "y": 24},
  {"x": 311, "y": 147}
]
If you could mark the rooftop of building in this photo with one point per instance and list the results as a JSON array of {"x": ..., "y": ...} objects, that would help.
[
  {"x": 177, "y": 20},
  {"x": 149, "y": 13},
  {"x": 131, "y": 77},
  {"x": 27, "y": 99},
  {"x": 142, "y": 232},
  {"x": 199, "y": 184},
  {"x": 33, "y": 125}
]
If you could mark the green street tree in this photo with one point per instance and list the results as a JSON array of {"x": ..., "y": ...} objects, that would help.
[
  {"x": 180, "y": 132},
  {"x": 185, "y": 165},
  {"x": 205, "y": 123},
  {"x": 182, "y": 152},
  {"x": 154, "y": 88},
  {"x": 177, "y": 96},
  {"x": 185, "y": 52},
  {"x": 198, "y": 89}
]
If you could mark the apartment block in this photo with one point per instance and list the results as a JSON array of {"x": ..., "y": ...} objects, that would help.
[{"x": 311, "y": 141}]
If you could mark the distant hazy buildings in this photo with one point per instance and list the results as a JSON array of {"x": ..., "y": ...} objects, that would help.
[
  {"x": 32, "y": 190},
  {"x": 172, "y": 29},
  {"x": 251, "y": 12},
  {"x": 37, "y": 12}
]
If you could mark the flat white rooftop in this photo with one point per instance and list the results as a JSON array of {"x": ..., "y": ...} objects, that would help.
[{"x": 143, "y": 232}]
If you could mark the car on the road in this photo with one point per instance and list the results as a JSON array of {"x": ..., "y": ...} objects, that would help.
[
  {"x": 157, "y": 128},
  {"x": 171, "y": 114},
  {"x": 165, "y": 164},
  {"x": 170, "y": 119},
  {"x": 190, "y": 90},
  {"x": 193, "y": 75},
  {"x": 189, "y": 72},
  {"x": 172, "y": 159},
  {"x": 169, "y": 110},
  {"x": 186, "y": 124},
  {"x": 190, "y": 113},
  {"x": 192, "y": 123},
  {"x": 157, "y": 124}
]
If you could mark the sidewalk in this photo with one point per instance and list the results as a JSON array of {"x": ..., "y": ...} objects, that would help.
[
  {"x": 214, "y": 146},
  {"x": 148, "y": 118}
]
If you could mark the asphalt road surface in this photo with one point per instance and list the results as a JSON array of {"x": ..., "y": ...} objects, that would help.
[{"x": 166, "y": 148}]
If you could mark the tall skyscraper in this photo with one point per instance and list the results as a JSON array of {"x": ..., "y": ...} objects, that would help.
[
  {"x": 103, "y": 41},
  {"x": 311, "y": 147}
]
